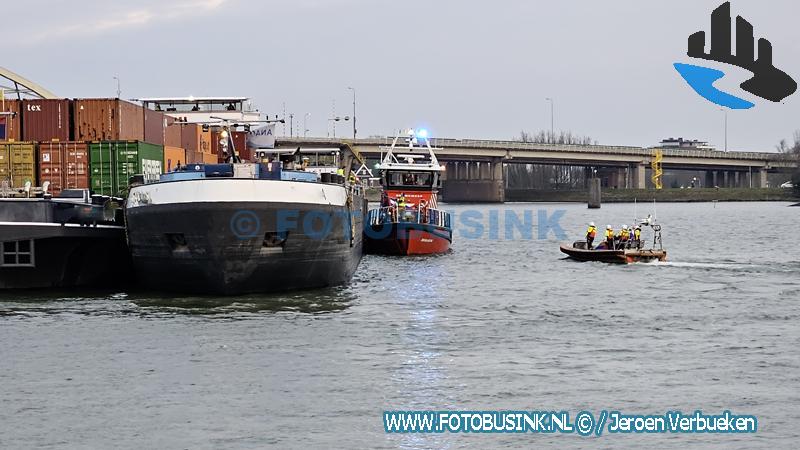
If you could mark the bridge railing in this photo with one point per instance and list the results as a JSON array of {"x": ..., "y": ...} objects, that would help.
[{"x": 645, "y": 152}]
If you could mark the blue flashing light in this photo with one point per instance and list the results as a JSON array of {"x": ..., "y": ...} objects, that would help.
[{"x": 422, "y": 133}]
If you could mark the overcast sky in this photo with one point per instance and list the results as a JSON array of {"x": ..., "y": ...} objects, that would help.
[{"x": 463, "y": 69}]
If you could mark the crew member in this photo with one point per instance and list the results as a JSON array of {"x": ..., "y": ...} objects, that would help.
[
  {"x": 623, "y": 236},
  {"x": 401, "y": 201},
  {"x": 637, "y": 236},
  {"x": 590, "y": 234},
  {"x": 609, "y": 238}
]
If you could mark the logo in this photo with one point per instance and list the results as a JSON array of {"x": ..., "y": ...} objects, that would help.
[
  {"x": 34, "y": 107},
  {"x": 245, "y": 224},
  {"x": 768, "y": 82}
]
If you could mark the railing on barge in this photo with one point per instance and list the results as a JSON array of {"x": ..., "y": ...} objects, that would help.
[{"x": 392, "y": 214}]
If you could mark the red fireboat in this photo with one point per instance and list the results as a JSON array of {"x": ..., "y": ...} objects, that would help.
[{"x": 408, "y": 221}]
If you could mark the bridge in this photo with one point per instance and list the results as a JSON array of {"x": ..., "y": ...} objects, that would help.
[{"x": 474, "y": 168}]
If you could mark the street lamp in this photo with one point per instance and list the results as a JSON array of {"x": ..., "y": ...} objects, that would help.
[
  {"x": 305, "y": 124},
  {"x": 552, "y": 133},
  {"x": 119, "y": 91},
  {"x": 354, "y": 111},
  {"x": 336, "y": 119}
]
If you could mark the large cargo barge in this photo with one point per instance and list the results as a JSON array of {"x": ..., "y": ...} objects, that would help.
[
  {"x": 243, "y": 228},
  {"x": 69, "y": 241}
]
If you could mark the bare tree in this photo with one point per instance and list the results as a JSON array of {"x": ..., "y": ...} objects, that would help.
[{"x": 548, "y": 176}]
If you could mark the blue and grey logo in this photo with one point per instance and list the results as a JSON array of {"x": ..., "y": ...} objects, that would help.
[
  {"x": 245, "y": 224},
  {"x": 768, "y": 82}
]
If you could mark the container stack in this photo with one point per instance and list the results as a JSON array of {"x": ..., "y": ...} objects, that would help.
[
  {"x": 197, "y": 143},
  {"x": 94, "y": 143}
]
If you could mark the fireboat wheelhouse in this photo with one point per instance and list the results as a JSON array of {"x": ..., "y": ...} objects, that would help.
[{"x": 408, "y": 221}]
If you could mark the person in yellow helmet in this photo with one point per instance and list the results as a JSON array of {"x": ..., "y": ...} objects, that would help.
[
  {"x": 401, "y": 201},
  {"x": 623, "y": 236},
  {"x": 609, "y": 238},
  {"x": 590, "y": 235},
  {"x": 637, "y": 236}
]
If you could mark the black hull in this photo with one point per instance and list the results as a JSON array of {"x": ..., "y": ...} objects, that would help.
[
  {"x": 231, "y": 248},
  {"x": 614, "y": 256},
  {"x": 68, "y": 256}
]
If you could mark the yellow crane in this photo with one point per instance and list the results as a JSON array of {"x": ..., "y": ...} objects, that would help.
[{"x": 658, "y": 155}]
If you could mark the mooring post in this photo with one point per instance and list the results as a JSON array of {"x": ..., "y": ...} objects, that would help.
[{"x": 594, "y": 193}]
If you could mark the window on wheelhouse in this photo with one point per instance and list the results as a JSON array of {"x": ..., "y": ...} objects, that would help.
[{"x": 406, "y": 179}]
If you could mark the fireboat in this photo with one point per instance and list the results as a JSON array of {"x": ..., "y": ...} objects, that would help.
[{"x": 408, "y": 221}]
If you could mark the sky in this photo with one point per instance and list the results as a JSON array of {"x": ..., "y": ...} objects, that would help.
[{"x": 461, "y": 69}]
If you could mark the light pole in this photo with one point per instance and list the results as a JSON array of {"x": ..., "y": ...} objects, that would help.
[
  {"x": 552, "y": 132},
  {"x": 336, "y": 119},
  {"x": 119, "y": 91},
  {"x": 354, "y": 111},
  {"x": 291, "y": 125},
  {"x": 305, "y": 124}
]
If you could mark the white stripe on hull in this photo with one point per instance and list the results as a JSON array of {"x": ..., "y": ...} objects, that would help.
[{"x": 236, "y": 190}]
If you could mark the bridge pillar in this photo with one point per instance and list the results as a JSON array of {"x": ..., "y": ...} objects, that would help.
[
  {"x": 622, "y": 175},
  {"x": 725, "y": 181},
  {"x": 483, "y": 183},
  {"x": 462, "y": 171},
  {"x": 709, "y": 181},
  {"x": 736, "y": 181},
  {"x": 762, "y": 178},
  {"x": 497, "y": 169},
  {"x": 639, "y": 176}
]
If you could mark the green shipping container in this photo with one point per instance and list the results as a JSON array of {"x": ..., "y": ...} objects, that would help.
[
  {"x": 114, "y": 162},
  {"x": 17, "y": 163}
]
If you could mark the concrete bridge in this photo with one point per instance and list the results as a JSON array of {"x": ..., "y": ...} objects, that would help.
[{"x": 474, "y": 168}]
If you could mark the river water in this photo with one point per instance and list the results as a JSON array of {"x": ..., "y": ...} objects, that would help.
[{"x": 498, "y": 324}]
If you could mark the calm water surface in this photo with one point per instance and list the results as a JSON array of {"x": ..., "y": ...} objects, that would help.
[{"x": 496, "y": 324}]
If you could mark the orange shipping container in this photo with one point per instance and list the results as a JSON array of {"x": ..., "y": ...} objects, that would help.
[
  {"x": 64, "y": 164},
  {"x": 172, "y": 134},
  {"x": 154, "y": 127},
  {"x": 11, "y": 123},
  {"x": 173, "y": 156},
  {"x": 107, "y": 119},
  {"x": 200, "y": 158},
  {"x": 194, "y": 139}
]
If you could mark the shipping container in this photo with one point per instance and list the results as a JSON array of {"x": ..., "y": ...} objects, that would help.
[
  {"x": 194, "y": 139},
  {"x": 107, "y": 119},
  {"x": 173, "y": 156},
  {"x": 10, "y": 120},
  {"x": 172, "y": 134},
  {"x": 154, "y": 126},
  {"x": 200, "y": 158},
  {"x": 64, "y": 164},
  {"x": 112, "y": 164},
  {"x": 17, "y": 164},
  {"x": 46, "y": 120}
]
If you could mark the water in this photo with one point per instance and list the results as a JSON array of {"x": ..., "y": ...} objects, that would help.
[{"x": 496, "y": 324}]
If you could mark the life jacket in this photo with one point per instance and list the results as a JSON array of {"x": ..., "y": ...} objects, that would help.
[
  {"x": 609, "y": 234},
  {"x": 591, "y": 232},
  {"x": 401, "y": 201},
  {"x": 637, "y": 234},
  {"x": 623, "y": 235}
]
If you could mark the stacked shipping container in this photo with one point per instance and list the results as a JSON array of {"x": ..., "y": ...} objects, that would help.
[
  {"x": 17, "y": 163},
  {"x": 46, "y": 120},
  {"x": 10, "y": 124},
  {"x": 64, "y": 164},
  {"x": 114, "y": 162},
  {"x": 97, "y": 144},
  {"x": 105, "y": 119}
]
